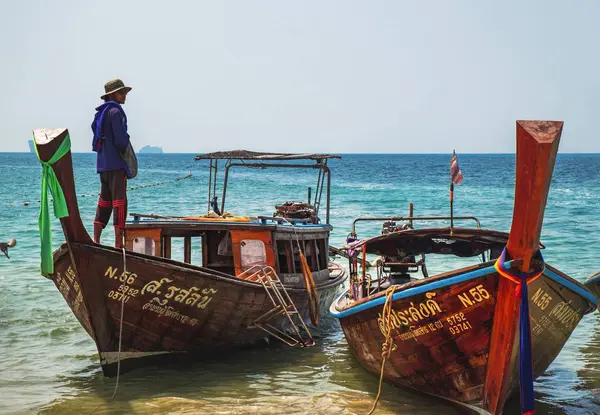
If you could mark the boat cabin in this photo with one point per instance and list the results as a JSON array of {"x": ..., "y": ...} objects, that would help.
[
  {"x": 237, "y": 244},
  {"x": 403, "y": 251}
]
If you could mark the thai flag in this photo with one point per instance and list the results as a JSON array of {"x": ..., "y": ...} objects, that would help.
[{"x": 455, "y": 173}]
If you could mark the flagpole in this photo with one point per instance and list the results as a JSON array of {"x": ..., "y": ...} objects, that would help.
[
  {"x": 451, "y": 207},
  {"x": 452, "y": 197}
]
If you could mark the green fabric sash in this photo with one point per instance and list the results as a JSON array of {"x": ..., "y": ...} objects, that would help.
[{"x": 49, "y": 181}]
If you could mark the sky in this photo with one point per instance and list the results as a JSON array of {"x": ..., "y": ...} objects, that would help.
[{"x": 304, "y": 76}]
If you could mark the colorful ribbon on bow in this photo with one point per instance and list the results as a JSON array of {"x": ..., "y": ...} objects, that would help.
[
  {"x": 526, "y": 359},
  {"x": 49, "y": 181}
]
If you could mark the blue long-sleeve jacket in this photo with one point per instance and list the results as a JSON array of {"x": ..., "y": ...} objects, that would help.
[{"x": 115, "y": 137}]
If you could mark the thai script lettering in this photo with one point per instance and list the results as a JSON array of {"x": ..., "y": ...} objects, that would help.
[
  {"x": 70, "y": 273},
  {"x": 77, "y": 302},
  {"x": 192, "y": 297},
  {"x": 414, "y": 332},
  {"x": 62, "y": 285},
  {"x": 566, "y": 315},
  {"x": 169, "y": 311},
  {"x": 413, "y": 314}
]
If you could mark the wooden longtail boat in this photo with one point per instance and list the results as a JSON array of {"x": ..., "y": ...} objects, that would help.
[
  {"x": 139, "y": 303},
  {"x": 470, "y": 336}
]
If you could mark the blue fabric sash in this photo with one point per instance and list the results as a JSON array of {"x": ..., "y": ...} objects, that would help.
[{"x": 525, "y": 355}]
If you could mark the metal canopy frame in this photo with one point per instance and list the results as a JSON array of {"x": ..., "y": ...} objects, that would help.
[
  {"x": 410, "y": 219},
  {"x": 323, "y": 180}
]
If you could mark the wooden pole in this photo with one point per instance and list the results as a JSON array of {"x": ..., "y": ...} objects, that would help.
[
  {"x": 451, "y": 206},
  {"x": 187, "y": 249},
  {"x": 537, "y": 145}
]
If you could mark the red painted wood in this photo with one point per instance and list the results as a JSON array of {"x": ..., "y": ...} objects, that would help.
[{"x": 537, "y": 145}]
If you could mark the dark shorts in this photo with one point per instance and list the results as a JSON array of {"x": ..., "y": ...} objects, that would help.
[{"x": 113, "y": 198}]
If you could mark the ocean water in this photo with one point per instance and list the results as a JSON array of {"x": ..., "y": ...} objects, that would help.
[{"x": 49, "y": 365}]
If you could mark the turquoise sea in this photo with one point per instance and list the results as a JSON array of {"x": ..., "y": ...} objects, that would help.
[{"x": 49, "y": 365}]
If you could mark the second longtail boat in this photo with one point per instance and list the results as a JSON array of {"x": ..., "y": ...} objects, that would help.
[{"x": 473, "y": 336}]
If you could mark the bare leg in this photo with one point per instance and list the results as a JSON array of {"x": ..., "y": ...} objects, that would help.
[
  {"x": 97, "y": 232},
  {"x": 119, "y": 237}
]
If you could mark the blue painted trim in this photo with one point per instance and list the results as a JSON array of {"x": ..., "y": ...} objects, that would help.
[
  {"x": 451, "y": 281},
  {"x": 414, "y": 291},
  {"x": 571, "y": 286}
]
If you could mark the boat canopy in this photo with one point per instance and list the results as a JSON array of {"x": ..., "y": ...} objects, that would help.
[
  {"x": 262, "y": 160},
  {"x": 255, "y": 155},
  {"x": 462, "y": 242}
]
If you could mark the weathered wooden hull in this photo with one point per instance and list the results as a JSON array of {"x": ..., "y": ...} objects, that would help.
[
  {"x": 593, "y": 284},
  {"x": 442, "y": 327},
  {"x": 169, "y": 307}
]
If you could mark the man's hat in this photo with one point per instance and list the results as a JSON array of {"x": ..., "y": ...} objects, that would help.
[{"x": 114, "y": 85}]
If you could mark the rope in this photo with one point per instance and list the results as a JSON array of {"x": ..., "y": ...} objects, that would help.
[
  {"x": 311, "y": 288},
  {"x": 388, "y": 345},
  {"x": 129, "y": 189},
  {"x": 121, "y": 320},
  {"x": 120, "y": 330}
]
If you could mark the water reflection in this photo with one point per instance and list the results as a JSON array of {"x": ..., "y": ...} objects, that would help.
[{"x": 272, "y": 380}]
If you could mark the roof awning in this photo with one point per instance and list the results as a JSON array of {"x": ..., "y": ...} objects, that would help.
[{"x": 255, "y": 155}]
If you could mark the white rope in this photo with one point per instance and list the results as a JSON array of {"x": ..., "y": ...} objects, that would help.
[
  {"x": 121, "y": 320},
  {"x": 120, "y": 328}
]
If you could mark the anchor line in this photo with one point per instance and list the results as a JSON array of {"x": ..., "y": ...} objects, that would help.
[
  {"x": 311, "y": 288},
  {"x": 388, "y": 345},
  {"x": 129, "y": 189},
  {"x": 120, "y": 329},
  {"x": 121, "y": 319}
]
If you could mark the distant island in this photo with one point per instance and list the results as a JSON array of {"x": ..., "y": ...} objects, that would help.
[
  {"x": 31, "y": 146},
  {"x": 150, "y": 150}
]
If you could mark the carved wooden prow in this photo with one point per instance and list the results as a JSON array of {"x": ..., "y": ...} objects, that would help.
[
  {"x": 47, "y": 141},
  {"x": 537, "y": 145}
]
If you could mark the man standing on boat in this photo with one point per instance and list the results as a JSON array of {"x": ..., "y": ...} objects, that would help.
[{"x": 111, "y": 142}]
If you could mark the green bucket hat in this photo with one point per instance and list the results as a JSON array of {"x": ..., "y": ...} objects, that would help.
[{"x": 114, "y": 85}]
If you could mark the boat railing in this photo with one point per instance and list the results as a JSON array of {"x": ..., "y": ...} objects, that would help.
[{"x": 412, "y": 219}]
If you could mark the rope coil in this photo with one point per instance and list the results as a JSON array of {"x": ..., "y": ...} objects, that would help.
[{"x": 388, "y": 345}]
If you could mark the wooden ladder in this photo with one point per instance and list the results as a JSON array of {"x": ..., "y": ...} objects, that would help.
[{"x": 282, "y": 306}]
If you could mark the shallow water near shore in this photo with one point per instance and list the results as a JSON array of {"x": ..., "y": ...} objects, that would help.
[{"x": 49, "y": 365}]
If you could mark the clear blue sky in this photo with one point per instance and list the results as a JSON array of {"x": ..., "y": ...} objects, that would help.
[{"x": 342, "y": 76}]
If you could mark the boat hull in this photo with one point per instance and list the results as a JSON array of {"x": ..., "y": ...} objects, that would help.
[
  {"x": 442, "y": 326},
  {"x": 169, "y": 308},
  {"x": 593, "y": 284}
]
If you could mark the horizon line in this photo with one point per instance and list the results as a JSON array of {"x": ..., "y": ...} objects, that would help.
[{"x": 329, "y": 152}]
